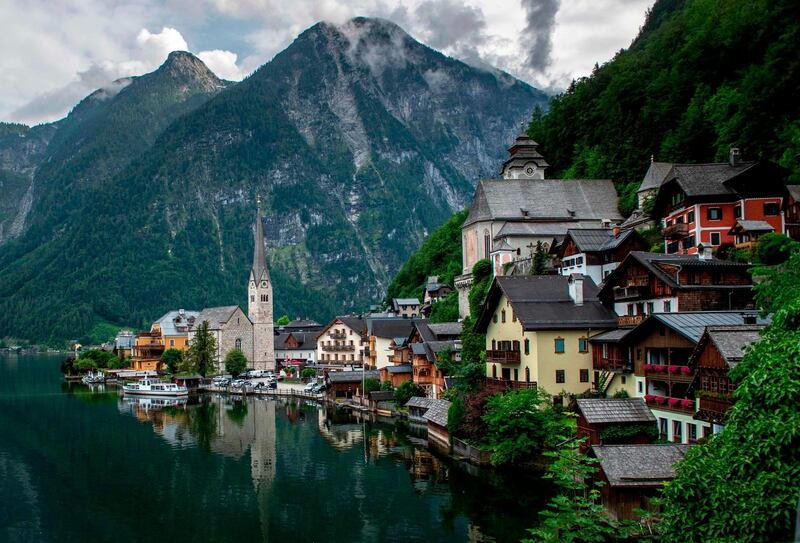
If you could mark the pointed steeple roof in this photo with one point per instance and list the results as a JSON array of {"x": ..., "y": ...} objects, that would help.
[{"x": 259, "y": 260}]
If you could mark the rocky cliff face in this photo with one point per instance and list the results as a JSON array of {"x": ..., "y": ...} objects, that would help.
[{"x": 360, "y": 140}]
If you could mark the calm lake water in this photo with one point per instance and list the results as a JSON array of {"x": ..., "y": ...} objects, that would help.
[{"x": 83, "y": 465}]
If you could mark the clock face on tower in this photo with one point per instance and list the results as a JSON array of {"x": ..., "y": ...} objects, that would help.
[
  {"x": 252, "y": 283},
  {"x": 263, "y": 283}
]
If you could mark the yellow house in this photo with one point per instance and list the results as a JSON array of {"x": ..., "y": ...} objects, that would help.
[
  {"x": 538, "y": 329},
  {"x": 171, "y": 331}
]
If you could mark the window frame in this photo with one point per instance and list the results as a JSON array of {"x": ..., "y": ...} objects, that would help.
[
  {"x": 709, "y": 211},
  {"x": 556, "y": 345},
  {"x": 719, "y": 238},
  {"x": 561, "y": 377}
]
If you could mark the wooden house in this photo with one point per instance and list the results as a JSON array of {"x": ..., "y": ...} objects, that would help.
[
  {"x": 436, "y": 417},
  {"x": 634, "y": 474},
  {"x": 417, "y": 407},
  {"x": 595, "y": 252},
  {"x": 346, "y": 384},
  {"x": 608, "y": 421}
]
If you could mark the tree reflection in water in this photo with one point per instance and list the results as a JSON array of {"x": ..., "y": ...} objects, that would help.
[{"x": 203, "y": 423}]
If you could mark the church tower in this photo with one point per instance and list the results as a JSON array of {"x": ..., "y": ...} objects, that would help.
[{"x": 259, "y": 306}]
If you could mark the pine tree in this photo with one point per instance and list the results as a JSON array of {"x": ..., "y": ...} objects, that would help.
[{"x": 200, "y": 356}]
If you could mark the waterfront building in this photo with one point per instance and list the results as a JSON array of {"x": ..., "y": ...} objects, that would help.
[
  {"x": 700, "y": 203},
  {"x": 381, "y": 333},
  {"x": 661, "y": 348},
  {"x": 436, "y": 418},
  {"x": 400, "y": 369},
  {"x": 123, "y": 344},
  {"x": 651, "y": 283},
  {"x": 634, "y": 474},
  {"x": 538, "y": 330},
  {"x": 174, "y": 328},
  {"x": 510, "y": 215},
  {"x": 719, "y": 350},
  {"x": 346, "y": 384},
  {"x": 252, "y": 333},
  {"x": 609, "y": 421},
  {"x": 148, "y": 346},
  {"x": 595, "y": 252},
  {"x": 426, "y": 344},
  {"x": 417, "y": 407},
  {"x": 341, "y": 344}
]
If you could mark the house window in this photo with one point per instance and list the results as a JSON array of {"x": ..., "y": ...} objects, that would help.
[
  {"x": 737, "y": 212},
  {"x": 486, "y": 244},
  {"x": 714, "y": 238},
  {"x": 238, "y": 343},
  {"x": 640, "y": 387},
  {"x": 650, "y": 308},
  {"x": 527, "y": 375},
  {"x": 527, "y": 346},
  {"x": 771, "y": 209},
  {"x": 623, "y": 379},
  {"x": 583, "y": 345},
  {"x": 584, "y": 375},
  {"x": 667, "y": 306},
  {"x": 692, "y": 431},
  {"x": 516, "y": 374},
  {"x": 559, "y": 345},
  {"x": 513, "y": 316},
  {"x": 630, "y": 310},
  {"x": 688, "y": 242},
  {"x": 503, "y": 315},
  {"x": 494, "y": 318},
  {"x": 560, "y": 377},
  {"x": 264, "y": 297},
  {"x": 252, "y": 297},
  {"x": 677, "y": 431},
  {"x": 605, "y": 350},
  {"x": 494, "y": 371},
  {"x": 662, "y": 428},
  {"x": 172, "y": 343},
  {"x": 690, "y": 217},
  {"x": 494, "y": 345},
  {"x": 714, "y": 213}
]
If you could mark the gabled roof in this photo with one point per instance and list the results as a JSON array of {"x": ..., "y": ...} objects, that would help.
[
  {"x": 354, "y": 376},
  {"x": 592, "y": 240},
  {"x": 404, "y": 301},
  {"x": 692, "y": 324},
  {"x": 216, "y": 316},
  {"x": 353, "y": 322},
  {"x": 730, "y": 341},
  {"x": 707, "y": 179},
  {"x": 177, "y": 322},
  {"x": 446, "y": 330},
  {"x": 305, "y": 340},
  {"x": 614, "y": 410},
  {"x": 419, "y": 401},
  {"x": 542, "y": 302},
  {"x": 555, "y": 229},
  {"x": 391, "y": 327},
  {"x": 437, "y": 412},
  {"x": 612, "y": 336},
  {"x": 639, "y": 465},
  {"x": 543, "y": 199},
  {"x": 743, "y": 225},
  {"x": 794, "y": 191},
  {"x": 655, "y": 175}
]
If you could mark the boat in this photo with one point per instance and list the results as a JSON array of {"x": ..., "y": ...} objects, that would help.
[
  {"x": 154, "y": 404},
  {"x": 92, "y": 378},
  {"x": 149, "y": 387}
]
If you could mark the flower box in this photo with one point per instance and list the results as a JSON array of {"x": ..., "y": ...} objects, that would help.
[
  {"x": 673, "y": 402},
  {"x": 661, "y": 400},
  {"x": 686, "y": 370},
  {"x": 649, "y": 398},
  {"x": 674, "y": 369},
  {"x": 648, "y": 367},
  {"x": 660, "y": 368},
  {"x": 687, "y": 403}
]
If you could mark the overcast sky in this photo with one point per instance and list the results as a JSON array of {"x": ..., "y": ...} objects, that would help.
[{"x": 55, "y": 52}]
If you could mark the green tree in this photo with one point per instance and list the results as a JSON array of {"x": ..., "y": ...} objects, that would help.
[
  {"x": 522, "y": 424},
  {"x": 742, "y": 483},
  {"x": 576, "y": 513},
  {"x": 283, "y": 321},
  {"x": 774, "y": 248},
  {"x": 235, "y": 362},
  {"x": 386, "y": 385},
  {"x": 540, "y": 260},
  {"x": 455, "y": 415},
  {"x": 405, "y": 391},
  {"x": 308, "y": 373},
  {"x": 202, "y": 351},
  {"x": 172, "y": 360},
  {"x": 371, "y": 385}
]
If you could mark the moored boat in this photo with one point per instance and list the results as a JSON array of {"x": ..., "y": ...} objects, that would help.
[{"x": 148, "y": 387}]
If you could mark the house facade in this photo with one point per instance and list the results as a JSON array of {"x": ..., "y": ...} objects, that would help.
[
  {"x": 595, "y": 252},
  {"x": 613, "y": 421},
  {"x": 381, "y": 335},
  {"x": 341, "y": 344},
  {"x": 406, "y": 307},
  {"x": 538, "y": 330}
]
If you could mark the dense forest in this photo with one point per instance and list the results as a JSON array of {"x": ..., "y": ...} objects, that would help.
[{"x": 701, "y": 77}]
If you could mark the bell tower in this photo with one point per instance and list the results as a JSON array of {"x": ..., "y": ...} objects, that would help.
[{"x": 259, "y": 305}]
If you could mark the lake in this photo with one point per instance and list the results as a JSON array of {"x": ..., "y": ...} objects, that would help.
[{"x": 78, "y": 464}]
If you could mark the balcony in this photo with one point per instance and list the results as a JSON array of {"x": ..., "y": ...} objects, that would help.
[
  {"x": 747, "y": 245},
  {"x": 612, "y": 364},
  {"x": 713, "y": 408},
  {"x": 337, "y": 335},
  {"x": 500, "y": 385},
  {"x": 679, "y": 405},
  {"x": 678, "y": 230},
  {"x": 503, "y": 357},
  {"x": 630, "y": 321},
  {"x": 338, "y": 347},
  {"x": 682, "y": 374},
  {"x": 631, "y": 292}
]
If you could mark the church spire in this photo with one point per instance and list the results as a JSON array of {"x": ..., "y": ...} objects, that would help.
[{"x": 259, "y": 260}]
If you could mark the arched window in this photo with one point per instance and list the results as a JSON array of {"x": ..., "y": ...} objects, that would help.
[
  {"x": 486, "y": 244},
  {"x": 239, "y": 343}
]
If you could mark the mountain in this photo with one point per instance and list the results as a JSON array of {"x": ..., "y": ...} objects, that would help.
[
  {"x": 701, "y": 76},
  {"x": 359, "y": 140}
]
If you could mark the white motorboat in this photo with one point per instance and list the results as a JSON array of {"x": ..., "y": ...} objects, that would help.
[
  {"x": 93, "y": 378},
  {"x": 150, "y": 387}
]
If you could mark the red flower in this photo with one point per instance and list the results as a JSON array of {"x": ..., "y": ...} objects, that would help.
[
  {"x": 648, "y": 367},
  {"x": 674, "y": 401},
  {"x": 686, "y": 370},
  {"x": 674, "y": 369},
  {"x": 661, "y": 399},
  {"x": 687, "y": 403}
]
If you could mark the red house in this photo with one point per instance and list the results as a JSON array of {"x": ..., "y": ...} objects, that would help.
[{"x": 700, "y": 203}]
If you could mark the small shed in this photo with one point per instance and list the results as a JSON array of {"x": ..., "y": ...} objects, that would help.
[
  {"x": 344, "y": 384},
  {"x": 396, "y": 374},
  {"x": 436, "y": 415},
  {"x": 633, "y": 474},
  {"x": 192, "y": 382},
  {"x": 607, "y": 421},
  {"x": 417, "y": 407},
  {"x": 382, "y": 401}
]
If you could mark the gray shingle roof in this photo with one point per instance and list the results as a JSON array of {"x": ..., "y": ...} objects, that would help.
[
  {"x": 565, "y": 199},
  {"x": 542, "y": 302},
  {"x": 381, "y": 395},
  {"x": 399, "y": 368},
  {"x": 655, "y": 175},
  {"x": 707, "y": 179},
  {"x": 743, "y": 225},
  {"x": 692, "y": 324},
  {"x": 419, "y": 401},
  {"x": 404, "y": 301},
  {"x": 612, "y": 336},
  {"x": 305, "y": 340},
  {"x": 216, "y": 316},
  {"x": 615, "y": 410},
  {"x": 731, "y": 341},
  {"x": 639, "y": 465},
  {"x": 418, "y": 349},
  {"x": 391, "y": 327},
  {"x": 794, "y": 191},
  {"x": 175, "y": 323},
  {"x": 354, "y": 376},
  {"x": 437, "y": 412},
  {"x": 442, "y": 329}
]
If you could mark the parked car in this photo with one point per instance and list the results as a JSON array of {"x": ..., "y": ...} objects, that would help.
[
  {"x": 309, "y": 387},
  {"x": 272, "y": 384},
  {"x": 318, "y": 387},
  {"x": 237, "y": 383}
]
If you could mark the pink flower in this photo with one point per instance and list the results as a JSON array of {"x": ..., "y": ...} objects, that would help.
[
  {"x": 686, "y": 370},
  {"x": 648, "y": 398},
  {"x": 648, "y": 367},
  {"x": 673, "y": 369},
  {"x": 673, "y": 402},
  {"x": 660, "y": 399},
  {"x": 687, "y": 403}
]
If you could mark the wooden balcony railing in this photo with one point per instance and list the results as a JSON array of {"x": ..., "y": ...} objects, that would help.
[
  {"x": 338, "y": 347},
  {"x": 747, "y": 245},
  {"x": 678, "y": 230},
  {"x": 506, "y": 384},
  {"x": 682, "y": 374},
  {"x": 337, "y": 335},
  {"x": 631, "y": 292},
  {"x": 629, "y": 321},
  {"x": 611, "y": 364},
  {"x": 503, "y": 357},
  {"x": 681, "y": 405},
  {"x": 712, "y": 409}
]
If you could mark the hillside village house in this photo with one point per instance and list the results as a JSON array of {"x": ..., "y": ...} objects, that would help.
[
  {"x": 427, "y": 342},
  {"x": 296, "y": 343},
  {"x": 649, "y": 283},
  {"x": 381, "y": 333},
  {"x": 700, "y": 203},
  {"x": 791, "y": 211},
  {"x": 661, "y": 348},
  {"x": 746, "y": 233},
  {"x": 406, "y": 307},
  {"x": 719, "y": 350},
  {"x": 123, "y": 344},
  {"x": 538, "y": 330},
  {"x": 612, "y": 363},
  {"x": 595, "y": 252},
  {"x": 341, "y": 344},
  {"x": 508, "y": 216},
  {"x": 433, "y": 292},
  {"x": 171, "y": 331}
]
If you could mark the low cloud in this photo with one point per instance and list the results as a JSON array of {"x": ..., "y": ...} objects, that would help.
[{"x": 537, "y": 38}]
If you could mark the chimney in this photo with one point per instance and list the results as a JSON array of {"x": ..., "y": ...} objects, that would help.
[
  {"x": 615, "y": 230},
  {"x": 734, "y": 157},
  {"x": 704, "y": 252},
  {"x": 576, "y": 288}
]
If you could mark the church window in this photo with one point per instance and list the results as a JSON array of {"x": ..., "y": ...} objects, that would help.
[
  {"x": 486, "y": 244},
  {"x": 239, "y": 343},
  {"x": 252, "y": 297}
]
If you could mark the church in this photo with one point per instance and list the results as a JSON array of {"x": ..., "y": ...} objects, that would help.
[{"x": 252, "y": 333}]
